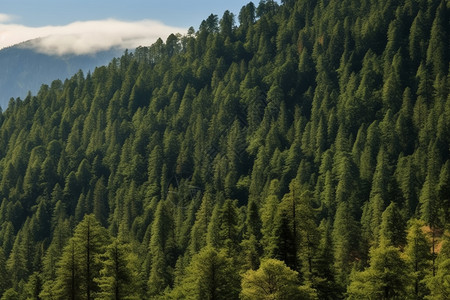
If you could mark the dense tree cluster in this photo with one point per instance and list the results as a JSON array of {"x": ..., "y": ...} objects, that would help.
[{"x": 303, "y": 153}]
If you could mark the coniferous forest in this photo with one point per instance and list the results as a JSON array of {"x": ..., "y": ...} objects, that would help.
[{"x": 298, "y": 150}]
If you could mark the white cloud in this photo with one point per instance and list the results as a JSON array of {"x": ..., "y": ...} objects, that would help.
[
  {"x": 4, "y": 18},
  {"x": 86, "y": 37}
]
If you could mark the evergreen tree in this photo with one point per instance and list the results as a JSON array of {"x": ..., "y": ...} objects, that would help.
[
  {"x": 344, "y": 242},
  {"x": 117, "y": 278},
  {"x": 80, "y": 263},
  {"x": 268, "y": 218},
  {"x": 274, "y": 280},
  {"x": 210, "y": 275},
  {"x": 438, "y": 282},
  {"x": 161, "y": 250},
  {"x": 69, "y": 278},
  {"x": 232, "y": 144},
  {"x": 33, "y": 287},
  {"x": 200, "y": 227},
  {"x": 386, "y": 278},
  {"x": 4, "y": 284},
  {"x": 17, "y": 263},
  {"x": 418, "y": 256},
  {"x": 229, "y": 226},
  {"x": 393, "y": 227},
  {"x": 100, "y": 202}
]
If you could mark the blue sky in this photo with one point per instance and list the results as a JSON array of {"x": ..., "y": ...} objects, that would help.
[
  {"x": 88, "y": 26},
  {"x": 170, "y": 12}
]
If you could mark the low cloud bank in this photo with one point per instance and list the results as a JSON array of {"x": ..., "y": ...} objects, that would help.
[
  {"x": 4, "y": 18},
  {"x": 86, "y": 37}
]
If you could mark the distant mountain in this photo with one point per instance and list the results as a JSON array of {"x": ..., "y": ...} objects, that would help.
[{"x": 23, "y": 69}]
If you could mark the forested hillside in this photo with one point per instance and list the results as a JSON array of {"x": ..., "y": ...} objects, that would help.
[
  {"x": 24, "y": 69},
  {"x": 295, "y": 151}
]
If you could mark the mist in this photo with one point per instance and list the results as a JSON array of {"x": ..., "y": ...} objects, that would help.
[{"x": 85, "y": 37}]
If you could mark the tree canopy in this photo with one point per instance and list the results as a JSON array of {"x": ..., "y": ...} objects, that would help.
[{"x": 304, "y": 140}]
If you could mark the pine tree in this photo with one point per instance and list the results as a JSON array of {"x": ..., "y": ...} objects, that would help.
[
  {"x": 274, "y": 280},
  {"x": 438, "y": 282},
  {"x": 210, "y": 275},
  {"x": 443, "y": 190},
  {"x": 161, "y": 250},
  {"x": 80, "y": 263},
  {"x": 348, "y": 100},
  {"x": 418, "y": 256},
  {"x": 229, "y": 226},
  {"x": 69, "y": 278},
  {"x": 17, "y": 263},
  {"x": 100, "y": 202},
  {"x": 268, "y": 219},
  {"x": 438, "y": 45},
  {"x": 345, "y": 237},
  {"x": 33, "y": 287},
  {"x": 200, "y": 228},
  {"x": 429, "y": 204},
  {"x": 393, "y": 227},
  {"x": 250, "y": 245},
  {"x": 386, "y": 278},
  {"x": 4, "y": 280},
  {"x": 287, "y": 231},
  {"x": 117, "y": 278}
]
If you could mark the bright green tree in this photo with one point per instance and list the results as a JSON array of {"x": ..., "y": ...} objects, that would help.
[
  {"x": 439, "y": 283},
  {"x": 68, "y": 276},
  {"x": 200, "y": 227},
  {"x": 210, "y": 275},
  {"x": 386, "y": 278},
  {"x": 81, "y": 261},
  {"x": 117, "y": 278},
  {"x": 274, "y": 280},
  {"x": 418, "y": 256}
]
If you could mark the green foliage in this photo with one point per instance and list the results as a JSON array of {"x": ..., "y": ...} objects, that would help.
[
  {"x": 81, "y": 262},
  {"x": 117, "y": 278},
  {"x": 310, "y": 132},
  {"x": 3, "y": 272},
  {"x": 439, "y": 284},
  {"x": 210, "y": 275},
  {"x": 418, "y": 256},
  {"x": 392, "y": 228},
  {"x": 274, "y": 280},
  {"x": 386, "y": 278}
]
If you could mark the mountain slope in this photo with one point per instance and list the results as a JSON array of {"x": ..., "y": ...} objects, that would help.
[
  {"x": 310, "y": 144},
  {"x": 24, "y": 69}
]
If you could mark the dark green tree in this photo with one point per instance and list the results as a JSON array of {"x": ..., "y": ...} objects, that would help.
[{"x": 161, "y": 250}]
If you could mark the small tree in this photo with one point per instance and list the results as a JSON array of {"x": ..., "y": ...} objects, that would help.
[
  {"x": 210, "y": 275},
  {"x": 117, "y": 276},
  {"x": 274, "y": 280},
  {"x": 386, "y": 278}
]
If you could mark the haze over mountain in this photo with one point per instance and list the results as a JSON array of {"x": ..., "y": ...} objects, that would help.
[
  {"x": 25, "y": 69},
  {"x": 31, "y": 56}
]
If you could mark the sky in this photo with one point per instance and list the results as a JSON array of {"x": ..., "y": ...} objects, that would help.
[{"x": 87, "y": 26}]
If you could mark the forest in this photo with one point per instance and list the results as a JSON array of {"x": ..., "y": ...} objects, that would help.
[{"x": 297, "y": 150}]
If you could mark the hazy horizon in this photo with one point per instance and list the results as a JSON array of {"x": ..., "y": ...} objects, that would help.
[{"x": 84, "y": 27}]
